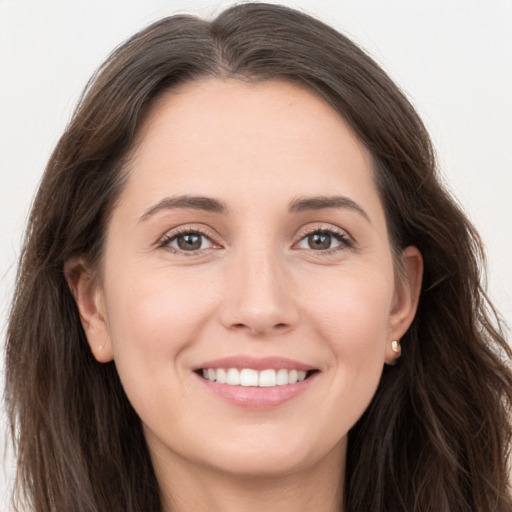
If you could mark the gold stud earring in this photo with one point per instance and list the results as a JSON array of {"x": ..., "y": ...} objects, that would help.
[{"x": 396, "y": 348}]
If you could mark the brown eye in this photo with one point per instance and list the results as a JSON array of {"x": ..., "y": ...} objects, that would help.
[
  {"x": 189, "y": 242},
  {"x": 319, "y": 241},
  {"x": 324, "y": 240}
]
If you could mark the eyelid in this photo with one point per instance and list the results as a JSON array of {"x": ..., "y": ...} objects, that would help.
[
  {"x": 185, "y": 229},
  {"x": 347, "y": 241},
  {"x": 342, "y": 235}
]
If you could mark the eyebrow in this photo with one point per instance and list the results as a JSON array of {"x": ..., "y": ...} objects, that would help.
[
  {"x": 303, "y": 204},
  {"x": 207, "y": 204}
]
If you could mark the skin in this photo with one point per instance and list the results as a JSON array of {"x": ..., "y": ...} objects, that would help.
[{"x": 256, "y": 287}]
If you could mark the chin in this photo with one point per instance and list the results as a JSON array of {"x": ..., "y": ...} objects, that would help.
[
  {"x": 262, "y": 465},
  {"x": 275, "y": 456}
]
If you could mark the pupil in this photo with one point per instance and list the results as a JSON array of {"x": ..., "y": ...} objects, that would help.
[
  {"x": 319, "y": 241},
  {"x": 189, "y": 242}
]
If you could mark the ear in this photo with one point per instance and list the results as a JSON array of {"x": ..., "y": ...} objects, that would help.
[
  {"x": 90, "y": 300},
  {"x": 405, "y": 299}
]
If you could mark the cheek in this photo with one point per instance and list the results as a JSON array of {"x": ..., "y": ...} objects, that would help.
[
  {"x": 351, "y": 319},
  {"x": 352, "y": 312},
  {"x": 155, "y": 308},
  {"x": 153, "y": 318}
]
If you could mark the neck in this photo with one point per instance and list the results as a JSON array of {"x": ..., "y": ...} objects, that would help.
[{"x": 186, "y": 487}]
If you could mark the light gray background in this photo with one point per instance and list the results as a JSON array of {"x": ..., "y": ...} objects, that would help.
[{"x": 452, "y": 58}]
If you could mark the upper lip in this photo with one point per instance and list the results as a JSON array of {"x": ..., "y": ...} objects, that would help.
[{"x": 256, "y": 363}]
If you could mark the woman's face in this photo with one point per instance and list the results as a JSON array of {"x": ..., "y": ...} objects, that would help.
[{"x": 248, "y": 250}]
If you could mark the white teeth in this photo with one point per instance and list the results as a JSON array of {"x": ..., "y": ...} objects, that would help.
[
  {"x": 249, "y": 377},
  {"x": 267, "y": 379},
  {"x": 254, "y": 378},
  {"x": 282, "y": 377},
  {"x": 221, "y": 376},
  {"x": 232, "y": 377}
]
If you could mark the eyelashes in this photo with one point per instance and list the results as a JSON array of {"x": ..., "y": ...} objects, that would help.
[
  {"x": 189, "y": 241},
  {"x": 318, "y": 240},
  {"x": 324, "y": 239}
]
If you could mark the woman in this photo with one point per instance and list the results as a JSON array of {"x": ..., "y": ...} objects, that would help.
[{"x": 235, "y": 240}]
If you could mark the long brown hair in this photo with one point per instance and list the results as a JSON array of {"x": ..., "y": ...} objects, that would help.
[{"x": 437, "y": 434}]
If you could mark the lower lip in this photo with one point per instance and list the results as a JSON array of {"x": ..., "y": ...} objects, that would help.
[{"x": 258, "y": 398}]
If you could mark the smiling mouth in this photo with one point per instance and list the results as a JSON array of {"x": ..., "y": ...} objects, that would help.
[{"x": 249, "y": 377}]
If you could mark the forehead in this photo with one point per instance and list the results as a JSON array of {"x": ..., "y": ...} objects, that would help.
[
  {"x": 222, "y": 136},
  {"x": 240, "y": 109}
]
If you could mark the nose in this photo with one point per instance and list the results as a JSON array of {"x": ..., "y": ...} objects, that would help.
[{"x": 260, "y": 298}]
